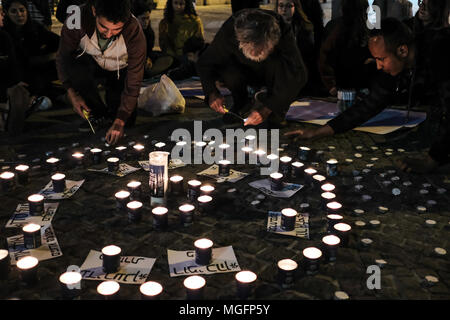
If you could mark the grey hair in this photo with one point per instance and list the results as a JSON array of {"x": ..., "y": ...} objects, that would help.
[{"x": 256, "y": 26}]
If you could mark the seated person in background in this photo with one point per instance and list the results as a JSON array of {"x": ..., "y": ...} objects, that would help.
[
  {"x": 34, "y": 45},
  {"x": 192, "y": 50},
  {"x": 345, "y": 60},
  {"x": 180, "y": 23},
  {"x": 141, "y": 9},
  {"x": 40, "y": 12},
  {"x": 432, "y": 14},
  {"x": 253, "y": 48},
  {"x": 408, "y": 65},
  {"x": 237, "y": 5},
  {"x": 61, "y": 9},
  {"x": 109, "y": 48}
]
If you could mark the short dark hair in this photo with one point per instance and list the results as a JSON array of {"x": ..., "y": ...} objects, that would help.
[
  {"x": 394, "y": 33},
  {"x": 113, "y": 10},
  {"x": 256, "y": 26},
  {"x": 139, "y": 7}
]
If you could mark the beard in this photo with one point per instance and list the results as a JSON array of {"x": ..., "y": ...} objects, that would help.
[{"x": 247, "y": 49}]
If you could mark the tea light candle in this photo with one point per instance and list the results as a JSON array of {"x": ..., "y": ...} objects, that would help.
[
  {"x": 194, "y": 287},
  {"x": 7, "y": 181},
  {"x": 113, "y": 164},
  {"x": 203, "y": 252},
  {"x": 297, "y": 169},
  {"x": 53, "y": 164},
  {"x": 304, "y": 207},
  {"x": 181, "y": 145},
  {"x": 206, "y": 190},
  {"x": 36, "y": 204},
  {"x": 383, "y": 210},
  {"x": 288, "y": 217},
  {"x": 108, "y": 289},
  {"x": 381, "y": 263},
  {"x": 342, "y": 230},
  {"x": 303, "y": 153},
  {"x": 160, "y": 218},
  {"x": 176, "y": 185},
  {"x": 96, "y": 155},
  {"x": 287, "y": 269},
  {"x": 285, "y": 166},
  {"x": 22, "y": 173},
  {"x": 245, "y": 281},
  {"x": 431, "y": 280},
  {"x": 328, "y": 187},
  {"x": 332, "y": 220},
  {"x": 204, "y": 203},
  {"x": 78, "y": 158},
  {"x": 374, "y": 223},
  {"x": 332, "y": 168},
  {"x": 358, "y": 212},
  {"x": 59, "y": 182},
  {"x": 331, "y": 243},
  {"x": 111, "y": 258},
  {"x": 186, "y": 214},
  {"x": 276, "y": 181},
  {"x": 150, "y": 290},
  {"x": 224, "y": 147},
  {"x": 135, "y": 189},
  {"x": 5, "y": 263},
  {"x": 260, "y": 154},
  {"x": 122, "y": 198},
  {"x": 440, "y": 251},
  {"x": 139, "y": 150},
  {"x": 341, "y": 295},
  {"x": 193, "y": 190},
  {"x": 32, "y": 236},
  {"x": 224, "y": 168},
  {"x": 360, "y": 224},
  {"x": 312, "y": 256},
  {"x": 121, "y": 152},
  {"x": 134, "y": 209},
  {"x": 318, "y": 178},
  {"x": 249, "y": 141},
  {"x": 70, "y": 284},
  {"x": 309, "y": 173},
  {"x": 28, "y": 269}
]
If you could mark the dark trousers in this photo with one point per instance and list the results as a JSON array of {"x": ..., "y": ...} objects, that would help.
[{"x": 86, "y": 76}]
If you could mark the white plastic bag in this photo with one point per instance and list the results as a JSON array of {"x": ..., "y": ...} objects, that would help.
[{"x": 162, "y": 98}]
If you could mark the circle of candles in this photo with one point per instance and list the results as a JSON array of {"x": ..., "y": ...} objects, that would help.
[
  {"x": 59, "y": 182},
  {"x": 96, "y": 155},
  {"x": 70, "y": 284},
  {"x": 5, "y": 262},
  {"x": 303, "y": 153},
  {"x": 176, "y": 185},
  {"x": 28, "y": 269},
  {"x": 206, "y": 190},
  {"x": 328, "y": 187},
  {"x": 122, "y": 198},
  {"x": 113, "y": 164},
  {"x": 286, "y": 272},
  {"x": 245, "y": 281},
  {"x": 53, "y": 164},
  {"x": 332, "y": 220},
  {"x": 203, "y": 251},
  {"x": 297, "y": 169},
  {"x": 342, "y": 230},
  {"x": 204, "y": 203},
  {"x": 186, "y": 214},
  {"x": 36, "y": 204},
  {"x": 309, "y": 173},
  {"x": 139, "y": 150},
  {"x": 108, "y": 289},
  {"x": 111, "y": 258},
  {"x": 332, "y": 168},
  {"x": 135, "y": 189},
  {"x": 32, "y": 236},
  {"x": 285, "y": 166},
  {"x": 194, "y": 287},
  {"x": 134, "y": 209},
  {"x": 78, "y": 157},
  {"x": 276, "y": 181},
  {"x": 7, "y": 181},
  {"x": 224, "y": 168},
  {"x": 288, "y": 217},
  {"x": 312, "y": 256},
  {"x": 193, "y": 190},
  {"x": 22, "y": 173},
  {"x": 160, "y": 218},
  {"x": 150, "y": 290},
  {"x": 331, "y": 242},
  {"x": 333, "y": 207}
]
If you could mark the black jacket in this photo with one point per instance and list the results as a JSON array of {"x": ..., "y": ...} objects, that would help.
[
  {"x": 9, "y": 68},
  {"x": 61, "y": 10}
]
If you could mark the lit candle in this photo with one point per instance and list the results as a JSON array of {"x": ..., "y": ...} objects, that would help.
[
  {"x": 260, "y": 154},
  {"x": 113, "y": 164},
  {"x": 309, "y": 173},
  {"x": 28, "y": 269},
  {"x": 224, "y": 168},
  {"x": 96, "y": 155},
  {"x": 206, "y": 190},
  {"x": 250, "y": 141},
  {"x": 5, "y": 263},
  {"x": 160, "y": 146},
  {"x": 247, "y": 151},
  {"x": 286, "y": 272},
  {"x": 134, "y": 209},
  {"x": 78, "y": 157},
  {"x": 135, "y": 189},
  {"x": 70, "y": 284},
  {"x": 328, "y": 187},
  {"x": 121, "y": 152},
  {"x": 32, "y": 236},
  {"x": 276, "y": 181},
  {"x": 194, "y": 287},
  {"x": 319, "y": 178},
  {"x": 186, "y": 214},
  {"x": 332, "y": 168},
  {"x": 224, "y": 147},
  {"x": 22, "y": 173},
  {"x": 201, "y": 145},
  {"x": 181, "y": 145},
  {"x": 288, "y": 217},
  {"x": 297, "y": 169},
  {"x": 312, "y": 256},
  {"x": 303, "y": 153},
  {"x": 176, "y": 185},
  {"x": 326, "y": 198},
  {"x": 108, "y": 289},
  {"x": 245, "y": 281},
  {"x": 285, "y": 166},
  {"x": 111, "y": 258},
  {"x": 7, "y": 181},
  {"x": 203, "y": 252},
  {"x": 53, "y": 164},
  {"x": 160, "y": 218},
  {"x": 304, "y": 207},
  {"x": 36, "y": 204},
  {"x": 342, "y": 230},
  {"x": 59, "y": 182},
  {"x": 122, "y": 198},
  {"x": 332, "y": 220},
  {"x": 139, "y": 150},
  {"x": 193, "y": 190},
  {"x": 331, "y": 242},
  {"x": 204, "y": 203},
  {"x": 334, "y": 207},
  {"x": 150, "y": 290}
]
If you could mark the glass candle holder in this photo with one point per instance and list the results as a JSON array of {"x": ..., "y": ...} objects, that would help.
[
  {"x": 22, "y": 174},
  {"x": 224, "y": 149},
  {"x": 287, "y": 269},
  {"x": 224, "y": 168},
  {"x": 332, "y": 168},
  {"x": 203, "y": 252},
  {"x": 113, "y": 164},
  {"x": 139, "y": 151},
  {"x": 53, "y": 164},
  {"x": 111, "y": 258},
  {"x": 121, "y": 152},
  {"x": 260, "y": 156},
  {"x": 334, "y": 207},
  {"x": 308, "y": 174},
  {"x": 160, "y": 218}
]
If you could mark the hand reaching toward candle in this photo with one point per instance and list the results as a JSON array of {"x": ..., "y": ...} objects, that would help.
[
  {"x": 311, "y": 133},
  {"x": 78, "y": 103},
  {"x": 216, "y": 102},
  {"x": 258, "y": 116},
  {"x": 115, "y": 132}
]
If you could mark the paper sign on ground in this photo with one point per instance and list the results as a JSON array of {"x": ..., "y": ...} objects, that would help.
[
  {"x": 133, "y": 270},
  {"x": 48, "y": 250},
  {"x": 71, "y": 188},
  {"x": 124, "y": 169},
  {"x": 22, "y": 215},
  {"x": 173, "y": 164},
  {"x": 182, "y": 263},
  {"x": 289, "y": 189},
  {"x": 213, "y": 172},
  {"x": 301, "y": 229}
]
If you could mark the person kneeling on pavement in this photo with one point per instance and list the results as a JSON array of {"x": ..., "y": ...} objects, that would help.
[{"x": 108, "y": 49}]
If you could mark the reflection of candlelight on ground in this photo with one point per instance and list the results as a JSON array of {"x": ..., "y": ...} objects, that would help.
[{"x": 150, "y": 290}]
